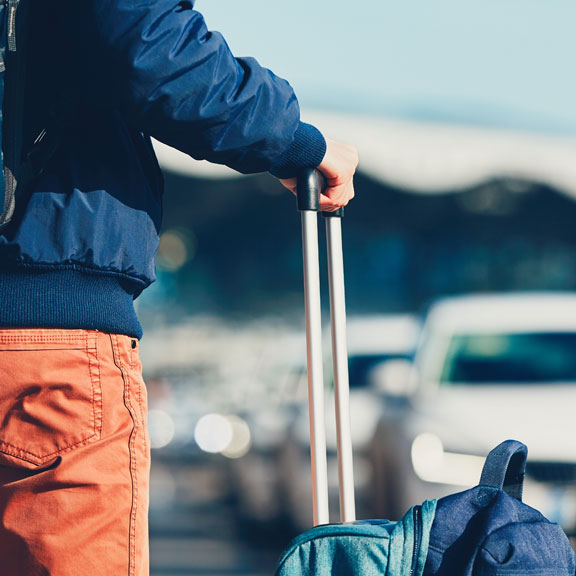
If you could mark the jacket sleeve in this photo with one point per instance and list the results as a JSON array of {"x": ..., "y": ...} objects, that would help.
[{"x": 156, "y": 61}]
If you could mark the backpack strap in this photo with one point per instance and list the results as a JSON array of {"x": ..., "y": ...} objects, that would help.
[{"x": 505, "y": 467}]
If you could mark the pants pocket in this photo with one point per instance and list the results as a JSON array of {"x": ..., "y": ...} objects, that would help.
[{"x": 50, "y": 395}]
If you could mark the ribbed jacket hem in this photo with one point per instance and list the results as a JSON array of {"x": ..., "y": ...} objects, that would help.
[{"x": 67, "y": 299}]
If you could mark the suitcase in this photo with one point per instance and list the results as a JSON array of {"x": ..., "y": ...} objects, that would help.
[
  {"x": 483, "y": 531},
  {"x": 364, "y": 548}
]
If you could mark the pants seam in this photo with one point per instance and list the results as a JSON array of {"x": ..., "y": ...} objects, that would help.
[
  {"x": 43, "y": 336},
  {"x": 94, "y": 369},
  {"x": 132, "y": 452},
  {"x": 133, "y": 356}
]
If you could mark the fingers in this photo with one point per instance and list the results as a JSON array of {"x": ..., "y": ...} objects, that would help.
[
  {"x": 338, "y": 167},
  {"x": 332, "y": 197},
  {"x": 336, "y": 197},
  {"x": 289, "y": 183}
]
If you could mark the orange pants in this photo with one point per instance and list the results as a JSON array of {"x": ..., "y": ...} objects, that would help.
[{"x": 74, "y": 455}]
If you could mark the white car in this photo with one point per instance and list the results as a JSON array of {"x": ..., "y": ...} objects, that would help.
[{"x": 487, "y": 368}]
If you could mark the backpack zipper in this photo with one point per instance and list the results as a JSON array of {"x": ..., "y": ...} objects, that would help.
[{"x": 417, "y": 517}]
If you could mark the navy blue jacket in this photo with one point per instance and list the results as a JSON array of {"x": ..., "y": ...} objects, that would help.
[{"x": 83, "y": 246}]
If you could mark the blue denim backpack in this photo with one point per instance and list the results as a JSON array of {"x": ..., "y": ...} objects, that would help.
[
  {"x": 484, "y": 531},
  {"x": 489, "y": 531}
]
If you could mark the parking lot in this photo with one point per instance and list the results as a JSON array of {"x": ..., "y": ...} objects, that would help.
[
  {"x": 231, "y": 469},
  {"x": 194, "y": 530}
]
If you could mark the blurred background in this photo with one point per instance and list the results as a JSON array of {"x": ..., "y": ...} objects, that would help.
[{"x": 460, "y": 256}]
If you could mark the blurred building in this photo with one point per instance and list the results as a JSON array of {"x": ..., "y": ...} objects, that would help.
[{"x": 439, "y": 210}]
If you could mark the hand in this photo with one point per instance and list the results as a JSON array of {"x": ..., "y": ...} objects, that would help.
[{"x": 338, "y": 168}]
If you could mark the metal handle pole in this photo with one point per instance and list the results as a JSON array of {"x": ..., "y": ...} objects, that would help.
[
  {"x": 340, "y": 362},
  {"x": 308, "y": 195},
  {"x": 315, "y": 371}
]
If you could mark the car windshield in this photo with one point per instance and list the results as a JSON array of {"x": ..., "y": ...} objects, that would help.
[
  {"x": 510, "y": 358},
  {"x": 360, "y": 366}
]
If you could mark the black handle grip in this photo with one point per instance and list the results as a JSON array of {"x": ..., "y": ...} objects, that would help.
[
  {"x": 336, "y": 214},
  {"x": 308, "y": 189},
  {"x": 309, "y": 186}
]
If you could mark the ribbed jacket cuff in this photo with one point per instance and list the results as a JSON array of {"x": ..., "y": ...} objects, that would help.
[{"x": 306, "y": 151}]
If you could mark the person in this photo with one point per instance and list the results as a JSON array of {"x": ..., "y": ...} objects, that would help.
[{"x": 74, "y": 452}]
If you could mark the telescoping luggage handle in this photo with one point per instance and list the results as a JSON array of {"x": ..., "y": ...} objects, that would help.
[{"x": 309, "y": 188}]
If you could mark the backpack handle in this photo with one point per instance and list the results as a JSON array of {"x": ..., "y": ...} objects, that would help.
[{"x": 505, "y": 467}]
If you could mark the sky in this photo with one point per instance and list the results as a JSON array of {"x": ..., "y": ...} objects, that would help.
[{"x": 508, "y": 63}]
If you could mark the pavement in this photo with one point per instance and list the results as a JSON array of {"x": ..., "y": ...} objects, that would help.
[{"x": 194, "y": 530}]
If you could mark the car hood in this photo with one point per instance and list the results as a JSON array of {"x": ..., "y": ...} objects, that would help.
[{"x": 474, "y": 420}]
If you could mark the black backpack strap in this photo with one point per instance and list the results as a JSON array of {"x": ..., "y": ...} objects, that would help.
[
  {"x": 15, "y": 15},
  {"x": 505, "y": 467},
  {"x": 20, "y": 169}
]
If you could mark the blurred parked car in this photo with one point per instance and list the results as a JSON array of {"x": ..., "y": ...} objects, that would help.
[
  {"x": 276, "y": 391},
  {"x": 371, "y": 341},
  {"x": 254, "y": 477},
  {"x": 487, "y": 368}
]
